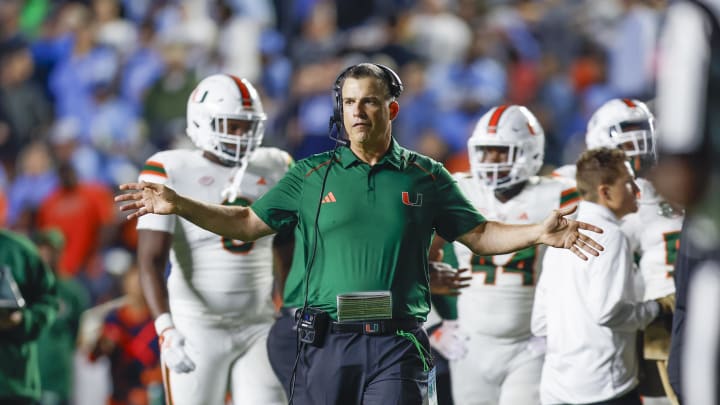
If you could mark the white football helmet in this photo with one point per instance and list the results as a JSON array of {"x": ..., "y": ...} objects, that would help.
[
  {"x": 217, "y": 99},
  {"x": 516, "y": 128},
  {"x": 623, "y": 123}
]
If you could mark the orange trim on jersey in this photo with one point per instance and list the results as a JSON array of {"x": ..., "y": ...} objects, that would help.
[
  {"x": 570, "y": 202},
  {"x": 495, "y": 119},
  {"x": 424, "y": 170},
  {"x": 569, "y": 197},
  {"x": 244, "y": 92},
  {"x": 166, "y": 386},
  {"x": 317, "y": 167},
  {"x": 629, "y": 103},
  {"x": 154, "y": 168}
]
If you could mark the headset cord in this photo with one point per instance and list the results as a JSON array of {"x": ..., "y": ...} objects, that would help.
[{"x": 301, "y": 345}]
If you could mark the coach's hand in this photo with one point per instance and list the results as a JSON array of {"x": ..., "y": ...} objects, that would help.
[
  {"x": 147, "y": 198},
  {"x": 562, "y": 232}
]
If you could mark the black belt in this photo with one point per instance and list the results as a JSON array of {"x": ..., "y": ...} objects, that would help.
[{"x": 378, "y": 327}]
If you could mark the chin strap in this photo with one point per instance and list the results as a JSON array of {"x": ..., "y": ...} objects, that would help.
[{"x": 232, "y": 190}]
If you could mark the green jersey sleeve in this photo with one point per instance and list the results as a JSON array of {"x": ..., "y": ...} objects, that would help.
[
  {"x": 456, "y": 214},
  {"x": 278, "y": 208}
]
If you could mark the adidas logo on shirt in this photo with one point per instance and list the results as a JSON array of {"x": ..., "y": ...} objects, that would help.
[{"x": 329, "y": 198}]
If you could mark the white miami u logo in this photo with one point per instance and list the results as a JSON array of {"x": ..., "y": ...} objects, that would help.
[{"x": 406, "y": 199}]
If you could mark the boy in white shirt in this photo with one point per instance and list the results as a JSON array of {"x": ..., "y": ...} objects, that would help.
[{"x": 586, "y": 309}]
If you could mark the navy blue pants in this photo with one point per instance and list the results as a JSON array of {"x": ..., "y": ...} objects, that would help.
[
  {"x": 282, "y": 348},
  {"x": 352, "y": 368}
]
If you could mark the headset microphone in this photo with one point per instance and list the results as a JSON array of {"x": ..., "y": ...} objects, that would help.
[{"x": 335, "y": 135}]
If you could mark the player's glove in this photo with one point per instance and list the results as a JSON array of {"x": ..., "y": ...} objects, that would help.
[
  {"x": 172, "y": 345},
  {"x": 449, "y": 341}
]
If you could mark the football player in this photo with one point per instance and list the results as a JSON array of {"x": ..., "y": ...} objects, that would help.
[
  {"x": 215, "y": 310},
  {"x": 503, "y": 362},
  {"x": 654, "y": 230}
]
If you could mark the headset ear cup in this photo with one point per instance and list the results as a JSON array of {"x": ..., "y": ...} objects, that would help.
[
  {"x": 395, "y": 84},
  {"x": 337, "y": 111}
]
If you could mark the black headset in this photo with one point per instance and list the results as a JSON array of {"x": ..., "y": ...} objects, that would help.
[{"x": 393, "y": 81}]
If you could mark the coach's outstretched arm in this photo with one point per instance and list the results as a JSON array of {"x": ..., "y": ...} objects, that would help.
[
  {"x": 229, "y": 221},
  {"x": 556, "y": 230}
]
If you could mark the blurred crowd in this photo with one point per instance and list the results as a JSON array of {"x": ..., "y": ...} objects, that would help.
[{"x": 90, "y": 89}]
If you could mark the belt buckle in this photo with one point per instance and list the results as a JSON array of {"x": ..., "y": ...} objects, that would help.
[{"x": 372, "y": 328}]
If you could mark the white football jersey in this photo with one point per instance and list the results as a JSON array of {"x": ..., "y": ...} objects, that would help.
[
  {"x": 565, "y": 173},
  {"x": 212, "y": 276},
  {"x": 654, "y": 233},
  {"x": 499, "y": 301}
]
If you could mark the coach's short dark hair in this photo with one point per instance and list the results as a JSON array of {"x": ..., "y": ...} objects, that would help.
[{"x": 596, "y": 167}]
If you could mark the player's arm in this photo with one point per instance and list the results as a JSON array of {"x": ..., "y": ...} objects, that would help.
[
  {"x": 233, "y": 222},
  {"x": 491, "y": 238},
  {"x": 606, "y": 302},
  {"x": 153, "y": 251}
]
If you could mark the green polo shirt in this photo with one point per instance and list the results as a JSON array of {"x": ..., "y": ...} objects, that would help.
[{"x": 375, "y": 226}]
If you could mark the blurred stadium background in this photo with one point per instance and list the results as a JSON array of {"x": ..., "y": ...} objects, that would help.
[{"x": 90, "y": 89}]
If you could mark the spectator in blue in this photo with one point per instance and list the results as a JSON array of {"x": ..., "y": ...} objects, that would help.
[
  {"x": 23, "y": 105},
  {"x": 35, "y": 180},
  {"x": 73, "y": 77},
  {"x": 277, "y": 68},
  {"x": 466, "y": 89},
  {"x": 420, "y": 107},
  {"x": 142, "y": 68},
  {"x": 116, "y": 132}
]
